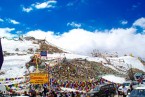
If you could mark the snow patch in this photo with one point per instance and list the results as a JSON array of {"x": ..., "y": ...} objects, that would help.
[{"x": 114, "y": 79}]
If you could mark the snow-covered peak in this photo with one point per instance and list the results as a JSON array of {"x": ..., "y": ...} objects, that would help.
[
  {"x": 21, "y": 46},
  {"x": 127, "y": 62}
]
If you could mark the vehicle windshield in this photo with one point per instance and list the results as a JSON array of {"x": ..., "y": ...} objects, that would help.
[
  {"x": 137, "y": 77},
  {"x": 126, "y": 84},
  {"x": 96, "y": 89},
  {"x": 138, "y": 93}
]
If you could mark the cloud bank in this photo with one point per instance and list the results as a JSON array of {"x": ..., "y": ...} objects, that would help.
[{"x": 121, "y": 40}]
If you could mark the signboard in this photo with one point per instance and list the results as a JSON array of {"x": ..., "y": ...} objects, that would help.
[
  {"x": 43, "y": 53},
  {"x": 38, "y": 78}
]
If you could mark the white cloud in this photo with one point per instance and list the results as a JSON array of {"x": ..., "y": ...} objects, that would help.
[
  {"x": 39, "y": 34},
  {"x": 124, "y": 22},
  {"x": 8, "y": 20},
  {"x": 5, "y": 32},
  {"x": 140, "y": 22},
  {"x": 27, "y": 9},
  {"x": 124, "y": 41},
  {"x": 48, "y": 4},
  {"x": 1, "y": 20},
  {"x": 73, "y": 24},
  {"x": 13, "y": 21},
  {"x": 43, "y": 5}
]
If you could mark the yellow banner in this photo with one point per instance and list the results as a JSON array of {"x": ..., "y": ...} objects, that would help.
[{"x": 38, "y": 78}]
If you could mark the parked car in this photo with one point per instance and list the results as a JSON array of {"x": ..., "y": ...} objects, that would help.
[
  {"x": 127, "y": 84},
  {"x": 138, "y": 92},
  {"x": 105, "y": 90},
  {"x": 143, "y": 81}
]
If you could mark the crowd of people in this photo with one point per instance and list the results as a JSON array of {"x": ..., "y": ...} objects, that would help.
[
  {"x": 54, "y": 88},
  {"x": 45, "y": 92},
  {"x": 54, "y": 93}
]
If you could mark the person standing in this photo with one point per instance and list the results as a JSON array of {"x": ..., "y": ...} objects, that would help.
[
  {"x": 124, "y": 91},
  {"x": 54, "y": 94},
  {"x": 131, "y": 87},
  {"x": 72, "y": 94},
  {"x": 25, "y": 93},
  {"x": 45, "y": 90}
]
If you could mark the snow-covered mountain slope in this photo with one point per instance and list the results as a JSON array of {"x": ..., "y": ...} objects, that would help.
[
  {"x": 14, "y": 62},
  {"x": 126, "y": 62},
  {"x": 114, "y": 79},
  {"x": 74, "y": 56},
  {"x": 23, "y": 46},
  {"x": 123, "y": 63},
  {"x": 14, "y": 65}
]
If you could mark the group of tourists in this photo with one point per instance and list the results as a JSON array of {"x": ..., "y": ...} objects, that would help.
[
  {"x": 45, "y": 92},
  {"x": 55, "y": 88}
]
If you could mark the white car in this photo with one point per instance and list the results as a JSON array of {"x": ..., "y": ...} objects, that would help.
[{"x": 127, "y": 85}]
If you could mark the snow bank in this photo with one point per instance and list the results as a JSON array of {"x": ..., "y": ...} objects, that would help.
[
  {"x": 115, "y": 79},
  {"x": 70, "y": 90},
  {"x": 31, "y": 68},
  {"x": 11, "y": 45},
  {"x": 134, "y": 62},
  {"x": 74, "y": 56},
  {"x": 14, "y": 66}
]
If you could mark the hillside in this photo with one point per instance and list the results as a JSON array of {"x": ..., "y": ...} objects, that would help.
[
  {"x": 79, "y": 70},
  {"x": 65, "y": 66},
  {"x": 27, "y": 45}
]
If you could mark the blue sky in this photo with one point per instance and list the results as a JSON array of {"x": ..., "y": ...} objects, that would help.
[
  {"x": 105, "y": 25},
  {"x": 63, "y": 15}
]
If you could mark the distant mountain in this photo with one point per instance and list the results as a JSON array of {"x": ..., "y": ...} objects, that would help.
[{"x": 28, "y": 45}]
